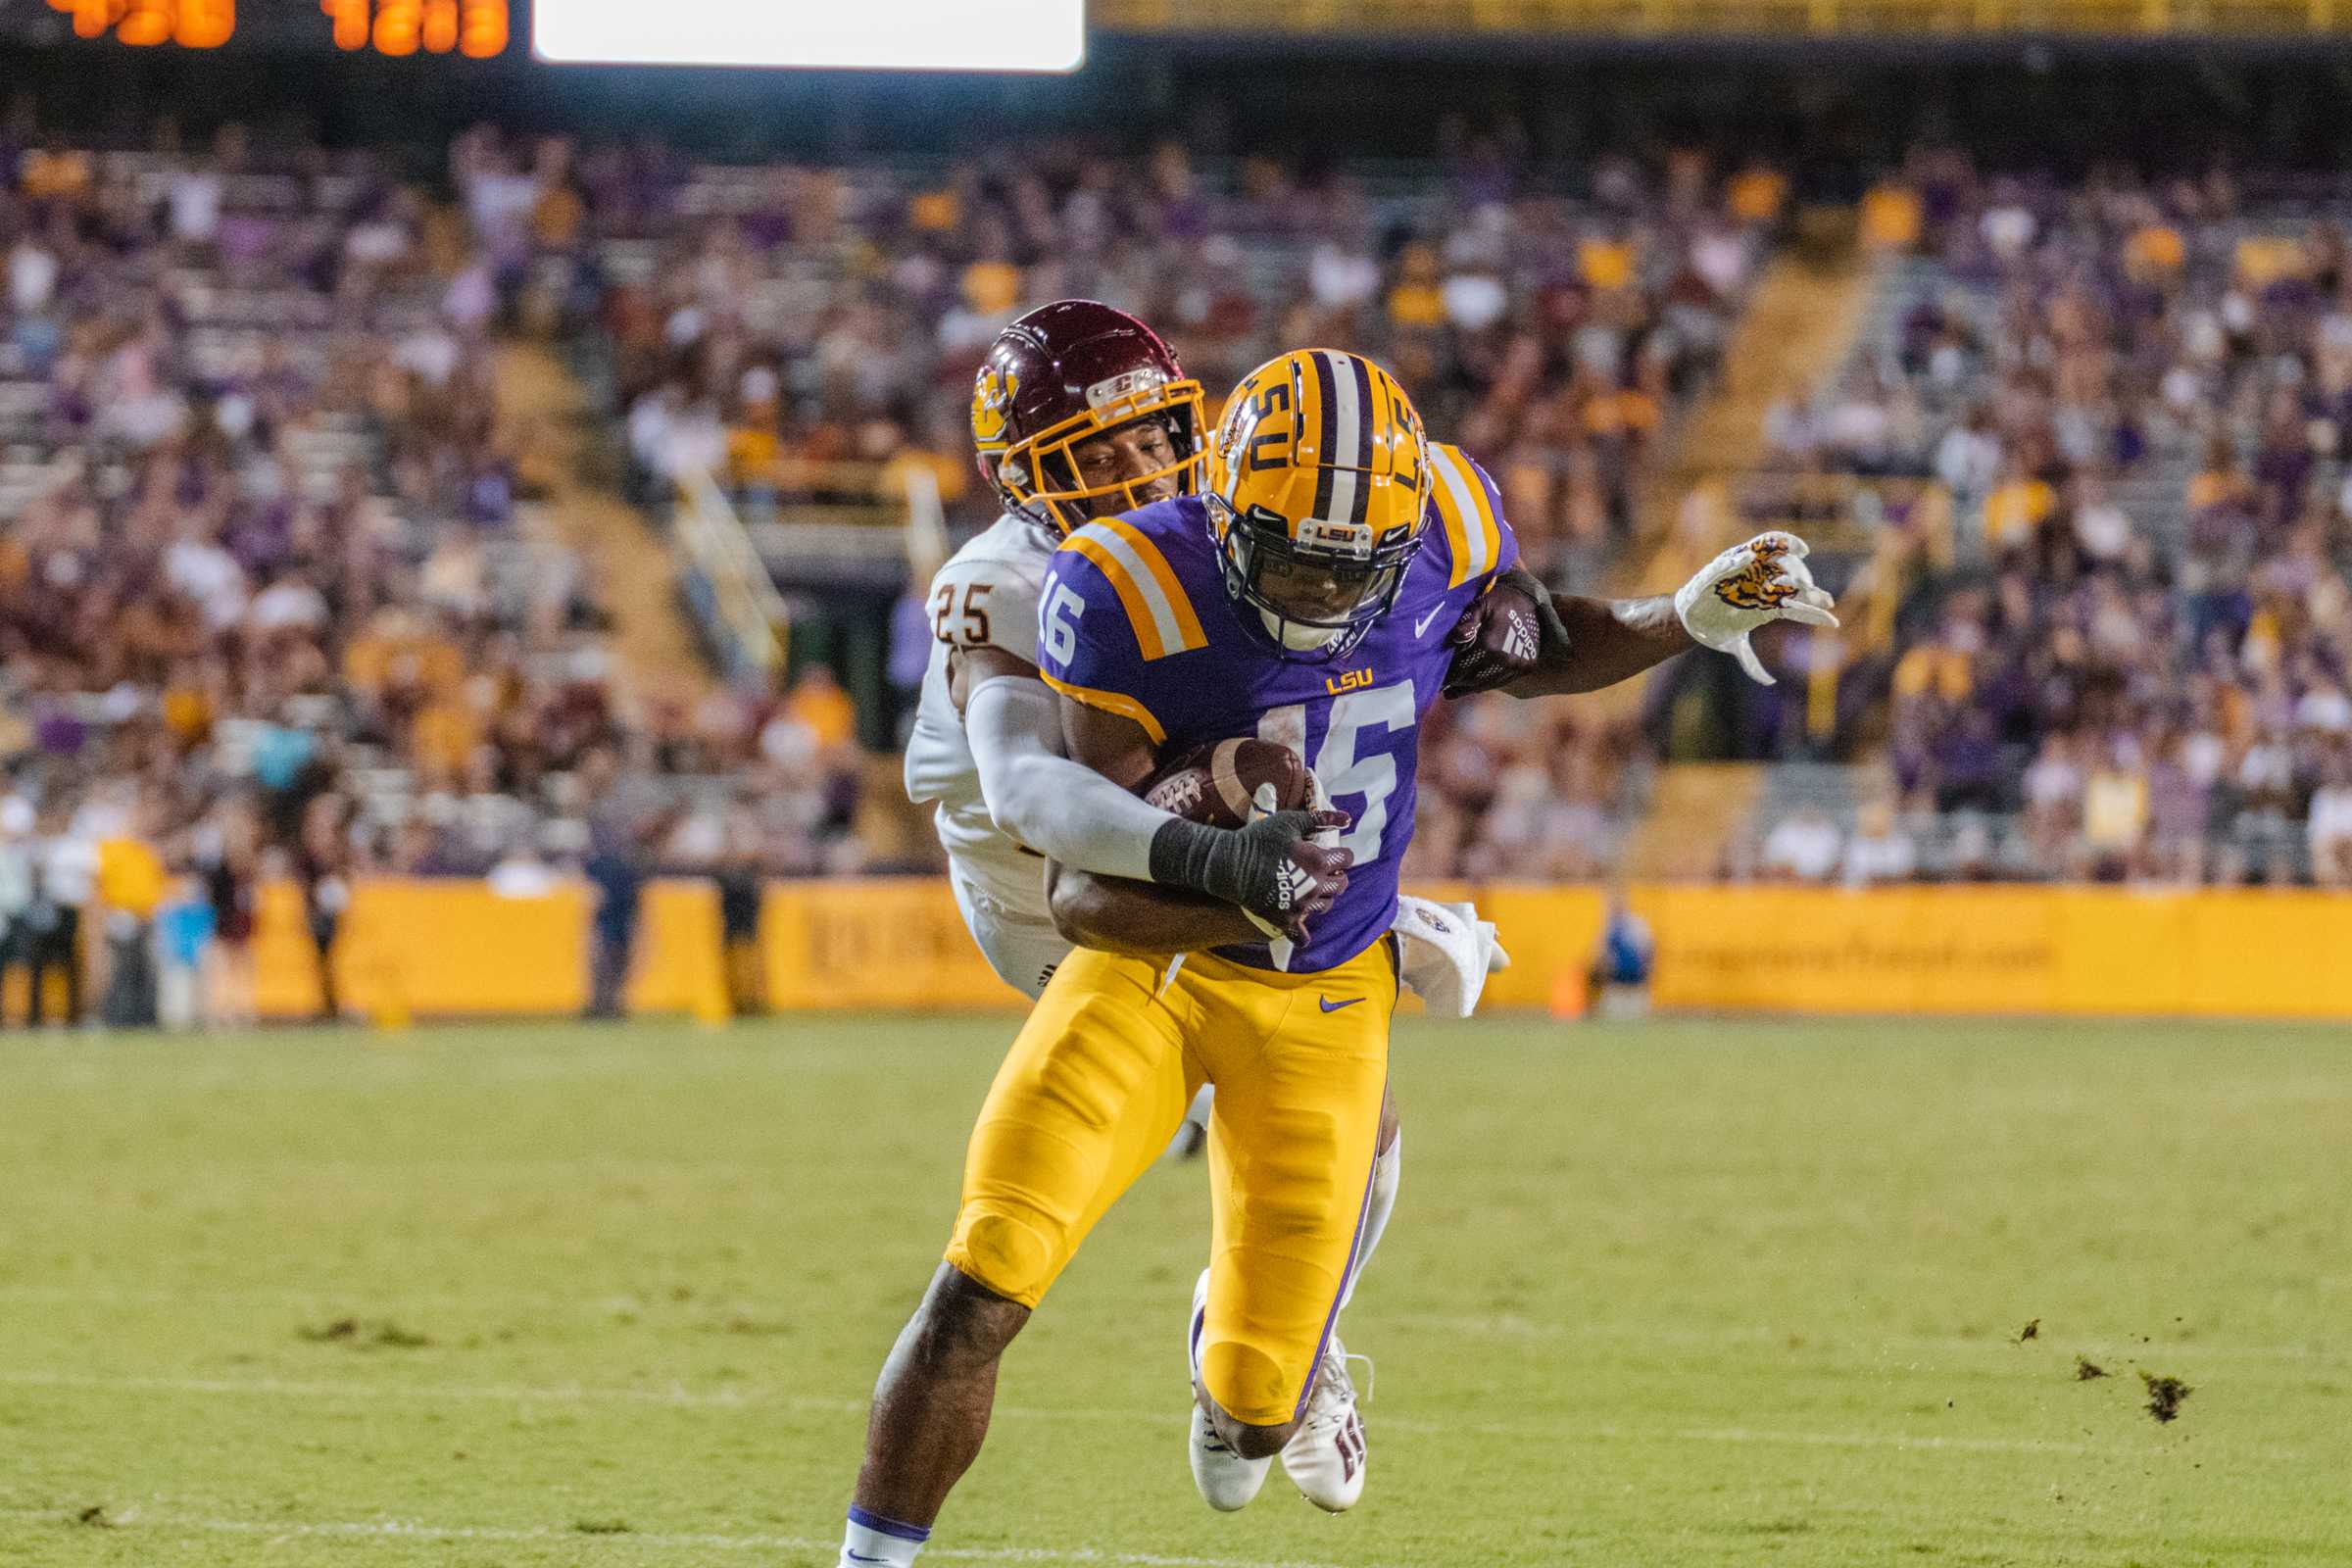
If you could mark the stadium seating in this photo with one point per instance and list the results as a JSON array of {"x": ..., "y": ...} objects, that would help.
[
  {"x": 808, "y": 334},
  {"x": 788, "y": 324},
  {"x": 2085, "y": 456},
  {"x": 269, "y": 534},
  {"x": 2133, "y": 397}
]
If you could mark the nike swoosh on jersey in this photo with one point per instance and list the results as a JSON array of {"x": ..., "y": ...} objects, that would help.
[
  {"x": 1422, "y": 626},
  {"x": 1330, "y": 1005}
]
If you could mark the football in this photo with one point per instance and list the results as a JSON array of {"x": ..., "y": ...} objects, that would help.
[{"x": 1215, "y": 783}]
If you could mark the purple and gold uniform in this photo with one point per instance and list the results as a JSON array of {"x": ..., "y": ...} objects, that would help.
[{"x": 1135, "y": 619}]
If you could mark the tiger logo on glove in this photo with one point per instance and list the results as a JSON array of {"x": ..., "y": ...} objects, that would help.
[
  {"x": 1759, "y": 585},
  {"x": 1747, "y": 587}
]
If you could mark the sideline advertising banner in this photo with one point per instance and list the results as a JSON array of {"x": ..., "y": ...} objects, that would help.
[{"x": 447, "y": 948}]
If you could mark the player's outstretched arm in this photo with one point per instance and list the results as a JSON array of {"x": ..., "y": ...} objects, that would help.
[
  {"x": 1519, "y": 639},
  {"x": 1604, "y": 641}
]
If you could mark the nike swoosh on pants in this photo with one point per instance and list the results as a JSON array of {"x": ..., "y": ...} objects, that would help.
[{"x": 1330, "y": 1005}]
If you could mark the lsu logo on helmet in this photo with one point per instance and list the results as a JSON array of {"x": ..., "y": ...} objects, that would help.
[{"x": 1319, "y": 485}]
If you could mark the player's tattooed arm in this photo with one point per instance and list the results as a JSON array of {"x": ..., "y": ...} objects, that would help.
[
  {"x": 1606, "y": 641},
  {"x": 1523, "y": 639},
  {"x": 1520, "y": 639}
]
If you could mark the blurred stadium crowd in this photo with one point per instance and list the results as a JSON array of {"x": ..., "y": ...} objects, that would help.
[
  {"x": 777, "y": 319},
  {"x": 277, "y": 593},
  {"x": 807, "y": 331},
  {"x": 2140, "y": 397}
]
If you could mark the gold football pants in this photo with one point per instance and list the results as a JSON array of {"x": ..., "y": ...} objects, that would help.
[{"x": 1096, "y": 1086}]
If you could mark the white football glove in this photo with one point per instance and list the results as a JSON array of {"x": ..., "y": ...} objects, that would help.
[
  {"x": 1748, "y": 586},
  {"x": 1446, "y": 952}
]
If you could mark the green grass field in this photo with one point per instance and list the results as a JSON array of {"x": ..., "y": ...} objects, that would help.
[{"x": 1694, "y": 1293}]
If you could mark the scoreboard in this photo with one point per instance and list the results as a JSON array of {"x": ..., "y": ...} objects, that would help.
[
  {"x": 877, "y": 35},
  {"x": 478, "y": 29},
  {"x": 474, "y": 28}
]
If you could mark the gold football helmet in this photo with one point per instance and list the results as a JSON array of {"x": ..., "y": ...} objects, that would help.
[{"x": 1318, "y": 492}]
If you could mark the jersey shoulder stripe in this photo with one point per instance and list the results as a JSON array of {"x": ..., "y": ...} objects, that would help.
[
  {"x": 1118, "y": 702},
  {"x": 1156, "y": 605},
  {"x": 1465, "y": 503}
]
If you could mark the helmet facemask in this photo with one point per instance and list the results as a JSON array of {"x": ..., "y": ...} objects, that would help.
[
  {"x": 1039, "y": 477},
  {"x": 1319, "y": 592}
]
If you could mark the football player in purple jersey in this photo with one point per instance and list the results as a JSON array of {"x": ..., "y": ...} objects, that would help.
[{"x": 1337, "y": 576}]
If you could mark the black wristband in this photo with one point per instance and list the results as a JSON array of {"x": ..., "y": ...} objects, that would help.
[{"x": 1183, "y": 854}]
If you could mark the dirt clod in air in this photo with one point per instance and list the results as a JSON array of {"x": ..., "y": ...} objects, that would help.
[
  {"x": 2088, "y": 1371},
  {"x": 2166, "y": 1396},
  {"x": 94, "y": 1517},
  {"x": 2031, "y": 1330}
]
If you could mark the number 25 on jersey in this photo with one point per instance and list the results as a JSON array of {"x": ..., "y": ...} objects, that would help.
[{"x": 965, "y": 629}]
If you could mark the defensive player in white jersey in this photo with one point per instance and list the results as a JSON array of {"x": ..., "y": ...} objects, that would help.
[{"x": 1080, "y": 412}]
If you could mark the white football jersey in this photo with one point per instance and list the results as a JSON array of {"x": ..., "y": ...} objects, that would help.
[{"x": 987, "y": 594}]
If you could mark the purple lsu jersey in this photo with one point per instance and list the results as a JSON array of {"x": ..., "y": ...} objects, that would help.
[{"x": 1134, "y": 619}]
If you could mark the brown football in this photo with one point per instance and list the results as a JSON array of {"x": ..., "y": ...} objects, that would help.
[{"x": 1214, "y": 783}]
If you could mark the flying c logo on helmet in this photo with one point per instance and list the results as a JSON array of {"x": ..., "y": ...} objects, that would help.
[
  {"x": 992, "y": 405},
  {"x": 1121, "y": 388},
  {"x": 1061, "y": 376}
]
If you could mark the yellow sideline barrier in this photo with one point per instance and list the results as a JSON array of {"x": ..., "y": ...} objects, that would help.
[
  {"x": 428, "y": 946},
  {"x": 452, "y": 947},
  {"x": 1986, "y": 950}
]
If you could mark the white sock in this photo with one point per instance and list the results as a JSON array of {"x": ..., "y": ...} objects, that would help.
[
  {"x": 872, "y": 1538},
  {"x": 1387, "y": 1169},
  {"x": 1193, "y": 1131}
]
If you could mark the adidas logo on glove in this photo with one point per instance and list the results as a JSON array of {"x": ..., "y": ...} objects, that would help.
[{"x": 1519, "y": 640}]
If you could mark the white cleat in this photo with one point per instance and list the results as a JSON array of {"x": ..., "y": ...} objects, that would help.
[
  {"x": 1226, "y": 1480},
  {"x": 1326, "y": 1456}
]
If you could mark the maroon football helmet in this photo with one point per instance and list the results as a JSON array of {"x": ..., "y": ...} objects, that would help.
[{"x": 1061, "y": 374}]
